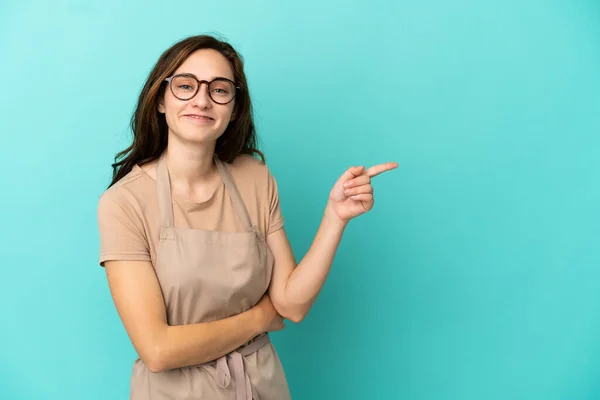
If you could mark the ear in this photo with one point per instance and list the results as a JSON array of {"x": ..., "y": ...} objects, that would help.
[{"x": 161, "y": 103}]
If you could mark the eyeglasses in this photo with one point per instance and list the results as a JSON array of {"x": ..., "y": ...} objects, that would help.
[{"x": 185, "y": 86}]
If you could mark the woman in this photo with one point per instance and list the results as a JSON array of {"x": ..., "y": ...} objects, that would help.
[{"x": 192, "y": 239}]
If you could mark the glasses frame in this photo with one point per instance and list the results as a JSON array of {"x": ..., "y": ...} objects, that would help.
[{"x": 200, "y": 82}]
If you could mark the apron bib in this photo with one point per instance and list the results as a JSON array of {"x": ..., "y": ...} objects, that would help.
[{"x": 205, "y": 276}]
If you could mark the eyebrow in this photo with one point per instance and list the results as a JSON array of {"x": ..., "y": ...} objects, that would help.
[{"x": 211, "y": 79}]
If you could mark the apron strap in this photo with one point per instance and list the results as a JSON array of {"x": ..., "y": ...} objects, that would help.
[
  {"x": 239, "y": 376},
  {"x": 165, "y": 203},
  {"x": 163, "y": 186},
  {"x": 235, "y": 195}
]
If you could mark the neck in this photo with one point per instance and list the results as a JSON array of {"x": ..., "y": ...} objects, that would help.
[{"x": 190, "y": 165}]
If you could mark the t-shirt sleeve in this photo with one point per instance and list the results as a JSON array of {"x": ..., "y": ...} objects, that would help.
[
  {"x": 121, "y": 230},
  {"x": 275, "y": 216}
]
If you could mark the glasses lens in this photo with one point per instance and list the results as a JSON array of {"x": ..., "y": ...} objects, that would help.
[
  {"x": 222, "y": 91},
  {"x": 184, "y": 87}
]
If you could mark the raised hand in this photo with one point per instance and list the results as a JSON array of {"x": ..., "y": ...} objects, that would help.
[{"x": 352, "y": 194}]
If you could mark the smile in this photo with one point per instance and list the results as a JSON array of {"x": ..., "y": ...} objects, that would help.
[{"x": 198, "y": 117}]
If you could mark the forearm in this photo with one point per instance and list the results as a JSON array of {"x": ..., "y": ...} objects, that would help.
[
  {"x": 193, "y": 344},
  {"x": 308, "y": 278}
]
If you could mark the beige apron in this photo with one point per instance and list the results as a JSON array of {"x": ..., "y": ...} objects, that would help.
[{"x": 206, "y": 276}]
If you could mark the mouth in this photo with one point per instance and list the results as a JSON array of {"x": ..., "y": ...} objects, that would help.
[{"x": 199, "y": 117}]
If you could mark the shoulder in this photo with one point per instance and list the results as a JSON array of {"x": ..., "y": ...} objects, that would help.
[
  {"x": 127, "y": 194},
  {"x": 249, "y": 163},
  {"x": 249, "y": 168}
]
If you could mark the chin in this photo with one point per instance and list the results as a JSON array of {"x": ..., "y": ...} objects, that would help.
[{"x": 198, "y": 136}]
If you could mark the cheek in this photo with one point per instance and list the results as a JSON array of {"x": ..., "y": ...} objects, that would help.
[
  {"x": 227, "y": 113},
  {"x": 172, "y": 110}
]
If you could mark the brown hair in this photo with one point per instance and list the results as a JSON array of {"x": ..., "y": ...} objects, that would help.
[{"x": 149, "y": 127}]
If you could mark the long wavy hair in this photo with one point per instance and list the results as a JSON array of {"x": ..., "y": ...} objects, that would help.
[{"x": 149, "y": 127}]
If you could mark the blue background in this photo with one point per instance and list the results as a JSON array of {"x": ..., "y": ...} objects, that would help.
[{"x": 476, "y": 276}]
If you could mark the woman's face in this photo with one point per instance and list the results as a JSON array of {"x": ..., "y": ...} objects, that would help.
[{"x": 199, "y": 119}]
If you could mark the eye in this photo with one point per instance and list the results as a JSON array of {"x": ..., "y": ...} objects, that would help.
[{"x": 184, "y": 83}]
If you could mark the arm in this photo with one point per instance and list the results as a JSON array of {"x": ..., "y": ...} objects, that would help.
[
  {"x": 139, "y": 302},
  {"x": 294, "y": 288}
]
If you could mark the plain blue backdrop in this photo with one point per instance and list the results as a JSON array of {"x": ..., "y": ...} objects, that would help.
[{"x": 477, "y": 274}]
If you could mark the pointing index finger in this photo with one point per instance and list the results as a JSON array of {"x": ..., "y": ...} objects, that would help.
[{"x": 381, "y": 168}]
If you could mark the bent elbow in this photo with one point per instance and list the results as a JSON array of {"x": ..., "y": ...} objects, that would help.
[
  {"x": 291, "y": 312},
  {"x": 295, "y": 316},
  {"x": 154, "y": 366},
  {"x": 154, "y": 360}
]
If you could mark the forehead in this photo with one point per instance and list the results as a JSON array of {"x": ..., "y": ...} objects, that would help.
[{"x": 206, "y": 64}]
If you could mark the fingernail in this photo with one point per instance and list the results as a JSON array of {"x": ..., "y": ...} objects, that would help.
[{"x": 348, "y": 184}]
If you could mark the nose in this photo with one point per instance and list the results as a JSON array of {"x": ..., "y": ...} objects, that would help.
[{"x": 202, "y": 99}]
